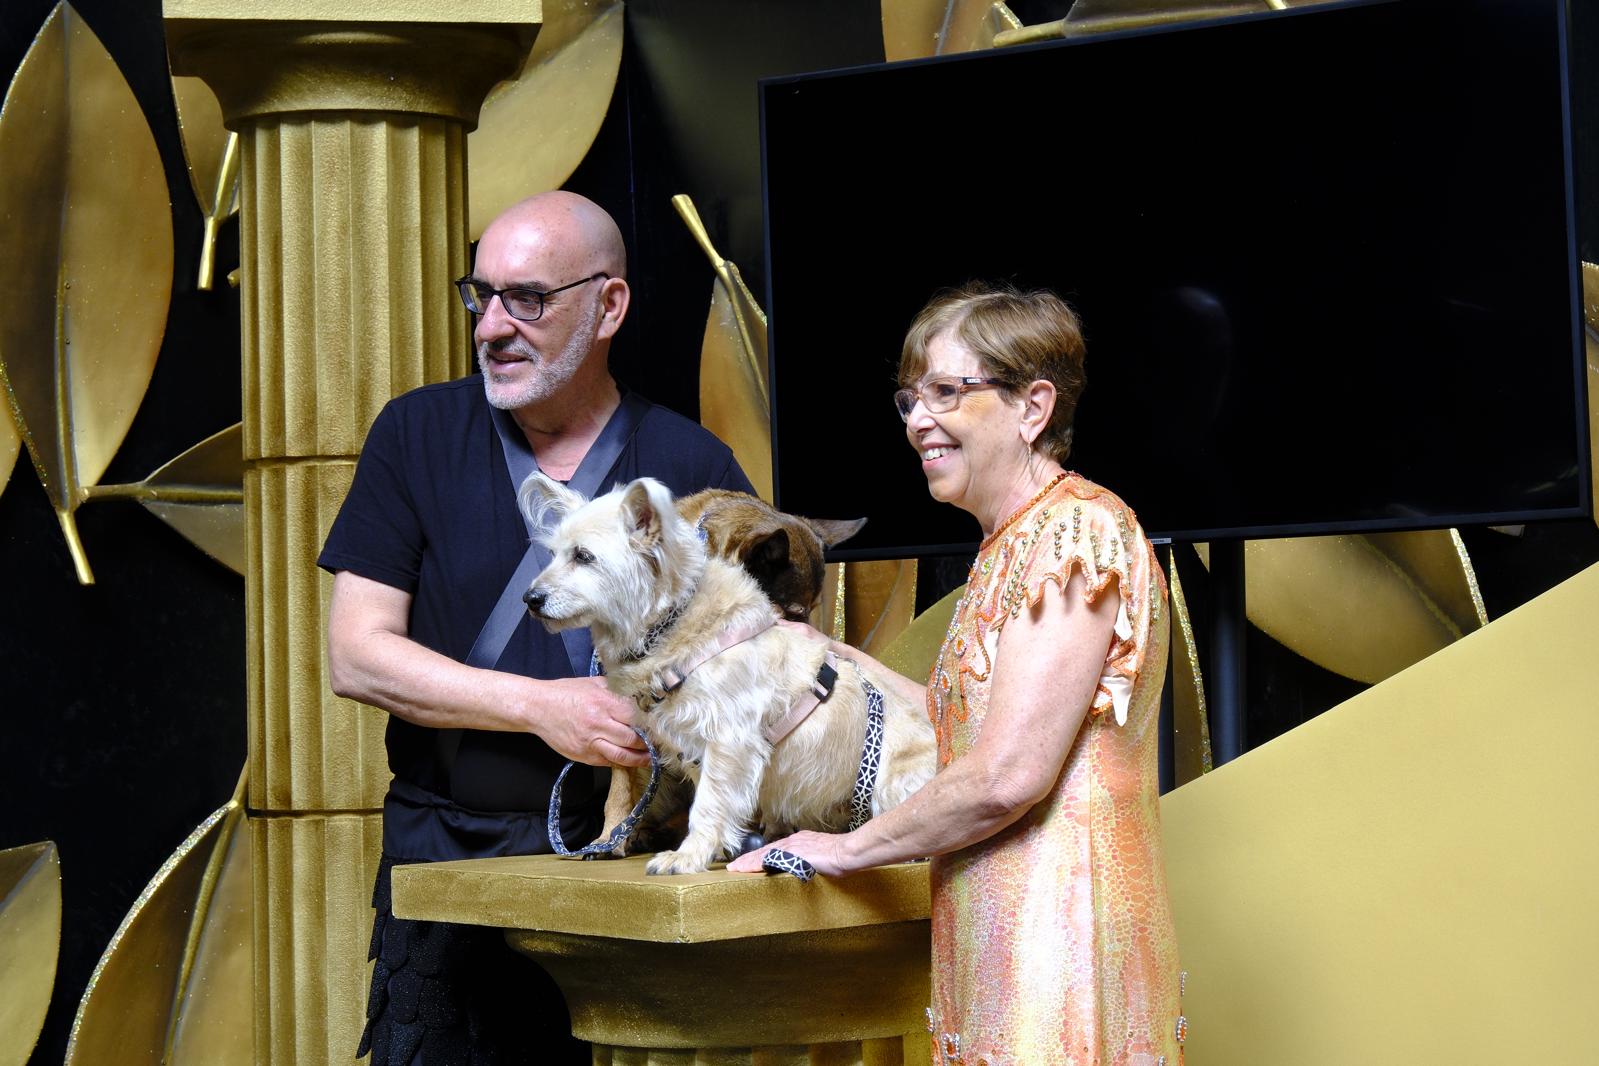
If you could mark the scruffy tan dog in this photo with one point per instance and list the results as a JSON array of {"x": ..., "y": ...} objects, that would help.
[{"x": 629, "y": 567}]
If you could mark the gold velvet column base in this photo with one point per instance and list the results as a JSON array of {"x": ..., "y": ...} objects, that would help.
[{"x": 313, "y": 920}]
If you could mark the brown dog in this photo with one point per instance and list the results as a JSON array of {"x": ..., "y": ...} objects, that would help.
[{"x": 782, "y": 552}]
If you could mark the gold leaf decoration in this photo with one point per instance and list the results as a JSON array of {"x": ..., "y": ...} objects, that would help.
[
  {"x": 212, "y": 152},
  {"x": 1590, "y": 310},
  {"x": 1364, "y": 606},
  {"x": 1103, "y": 16},
  {"x": 30, "y": 941},
  {"x": 10, "y": 445},
  {"x": 867, "y": 605},
  {"x": 534, "y": 131},
  {"x": 914, "y": 651},
  {"x": 733, "y": 397},
  {"x": 200, "y": 494},
  {"x": 86, "y": 247},
  {"x": 915, "y": 29},
  {"x": 174, "y": 985},
  {"x": 1190, "y": 714}
]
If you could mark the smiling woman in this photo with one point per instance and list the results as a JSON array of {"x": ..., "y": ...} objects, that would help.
[{"x": 1052, "y": 935}]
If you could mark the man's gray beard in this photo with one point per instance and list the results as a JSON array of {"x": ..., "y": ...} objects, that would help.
[{"x": 552, "y": 374}]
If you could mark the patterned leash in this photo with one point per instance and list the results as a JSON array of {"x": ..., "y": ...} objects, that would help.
[
  {"x": 778, "y": 861},
  {"x": 624, "y": 828}
]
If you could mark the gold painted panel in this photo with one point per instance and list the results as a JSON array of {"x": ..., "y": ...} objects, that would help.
[
  {"x": 30, "y": 940},
  {"x": 80, "y": 329},
  {"x": 534, "y": 131},
  {"x": 313, "y": 891},
  {"x": 309, "y": 750}
]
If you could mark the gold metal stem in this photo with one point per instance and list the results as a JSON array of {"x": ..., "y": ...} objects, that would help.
[
  {"x": 221, "y": 200},
  {"x": 80, "y": 559},
  {"x": 163, "y": 493},
  {"x": 691, "y": 217}
]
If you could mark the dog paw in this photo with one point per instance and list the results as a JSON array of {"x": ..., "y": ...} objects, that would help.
[{"x": 676, "y": 862}]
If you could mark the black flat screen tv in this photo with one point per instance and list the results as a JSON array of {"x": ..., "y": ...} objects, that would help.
[{"x": 1325, "y": 258}]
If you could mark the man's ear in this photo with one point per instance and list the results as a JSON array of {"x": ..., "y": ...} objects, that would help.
[
  {"x": 1038, "y": 403},
  {"x": 544, "y": 500},
  {"x": 615, "y": 296}
]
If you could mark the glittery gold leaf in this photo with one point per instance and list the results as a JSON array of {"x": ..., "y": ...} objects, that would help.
[
  {"x": 86, "y": 250},
  {"x": 534, "y": 131},
  {"x": 915, "y": 649},
  {"x": 10, "y": 445},
  {"x": 174, "y": 985},
  {"x": 200, "y": 494},
  {"x": 1364, "y": 606},
  {"x": 733, "y": 397},
  {"x": 30, "y": 940},
  {"x": 212, "y": 153},
  {"x": 1103, "y": 16},
  {"x": 1590, "y": 309},
  {"x": 1190, "y": 718},
  {"x": 915, "y": 29}
]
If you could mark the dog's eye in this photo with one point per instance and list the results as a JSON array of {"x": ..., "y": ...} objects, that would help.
[{"x": 582, "y": 555}]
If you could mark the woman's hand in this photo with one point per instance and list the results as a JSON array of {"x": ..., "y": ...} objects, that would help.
[
  {"x": 808, "y": 631},
  {"x": 822, "y": 850}
]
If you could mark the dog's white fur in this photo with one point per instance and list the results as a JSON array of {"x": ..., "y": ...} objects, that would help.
[{"x": 619, "y": 564}]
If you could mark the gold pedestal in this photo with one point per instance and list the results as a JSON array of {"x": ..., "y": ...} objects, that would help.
[
  {"x": 352, "y": 117},
  {"x": 711, "y": 968}
]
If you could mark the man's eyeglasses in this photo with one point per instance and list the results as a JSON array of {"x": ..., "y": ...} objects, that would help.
[
  {"x": 939, "y": 394},
  {"x": 524, "y": 305}
]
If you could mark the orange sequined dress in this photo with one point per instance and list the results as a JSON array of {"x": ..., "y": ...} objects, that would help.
[{"x": 1052, "y": 939}]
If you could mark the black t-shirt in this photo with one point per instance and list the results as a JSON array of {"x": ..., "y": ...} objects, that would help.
[{"x": 432, "y": 512}]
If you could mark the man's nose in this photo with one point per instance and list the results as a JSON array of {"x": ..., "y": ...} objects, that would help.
[{"x": 494, "y": 323}]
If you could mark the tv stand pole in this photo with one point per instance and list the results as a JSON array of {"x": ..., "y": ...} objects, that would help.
[{"x": 1228, "y": 625}]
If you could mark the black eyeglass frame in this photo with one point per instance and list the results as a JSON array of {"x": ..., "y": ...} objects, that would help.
[
  {"x": 905, "y": 399},
  {"x": 471, "y": 289}
]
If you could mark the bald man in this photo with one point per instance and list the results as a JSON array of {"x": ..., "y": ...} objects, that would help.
[{"x": 425, "y": 548}]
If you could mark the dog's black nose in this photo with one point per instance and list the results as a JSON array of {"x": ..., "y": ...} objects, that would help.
[{"x": 534, "y": 598}]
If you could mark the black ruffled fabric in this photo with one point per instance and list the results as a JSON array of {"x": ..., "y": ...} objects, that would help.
[{"x": 456, "y": 995}]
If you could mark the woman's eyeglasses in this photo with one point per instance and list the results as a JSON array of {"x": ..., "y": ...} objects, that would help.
[{"x": 938, "y": 394}]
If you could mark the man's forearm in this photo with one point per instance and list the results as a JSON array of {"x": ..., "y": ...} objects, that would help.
[{"x": 415, "y": 683}]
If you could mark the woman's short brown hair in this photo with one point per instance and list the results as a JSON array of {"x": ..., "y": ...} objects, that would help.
[{"x": 1018, "y": 337}]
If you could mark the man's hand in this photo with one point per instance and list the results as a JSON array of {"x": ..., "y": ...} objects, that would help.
[{"x": 586, "y": 722}]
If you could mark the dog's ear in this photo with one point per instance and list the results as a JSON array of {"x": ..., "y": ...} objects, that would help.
[
  {"x": 835, "y": 531},
  {"x": 766, "y": 554},
  {"x": 645, "y": 505},
  {"x": 544, "y": 500}
]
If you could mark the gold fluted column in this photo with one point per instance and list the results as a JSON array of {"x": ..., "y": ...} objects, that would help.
[{"x": 352, "y": 118}]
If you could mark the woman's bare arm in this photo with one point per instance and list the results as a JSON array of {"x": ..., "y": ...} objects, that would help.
[{"x": 1045, "y": 673}]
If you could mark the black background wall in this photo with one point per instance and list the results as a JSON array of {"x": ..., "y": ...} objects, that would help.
[{"x": 122, "y": 724}]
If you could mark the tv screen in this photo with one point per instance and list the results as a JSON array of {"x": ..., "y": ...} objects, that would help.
[{"x": 1325, "y": 260}]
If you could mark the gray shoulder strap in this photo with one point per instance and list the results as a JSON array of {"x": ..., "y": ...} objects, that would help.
[{"x": 591, "y": 474}]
